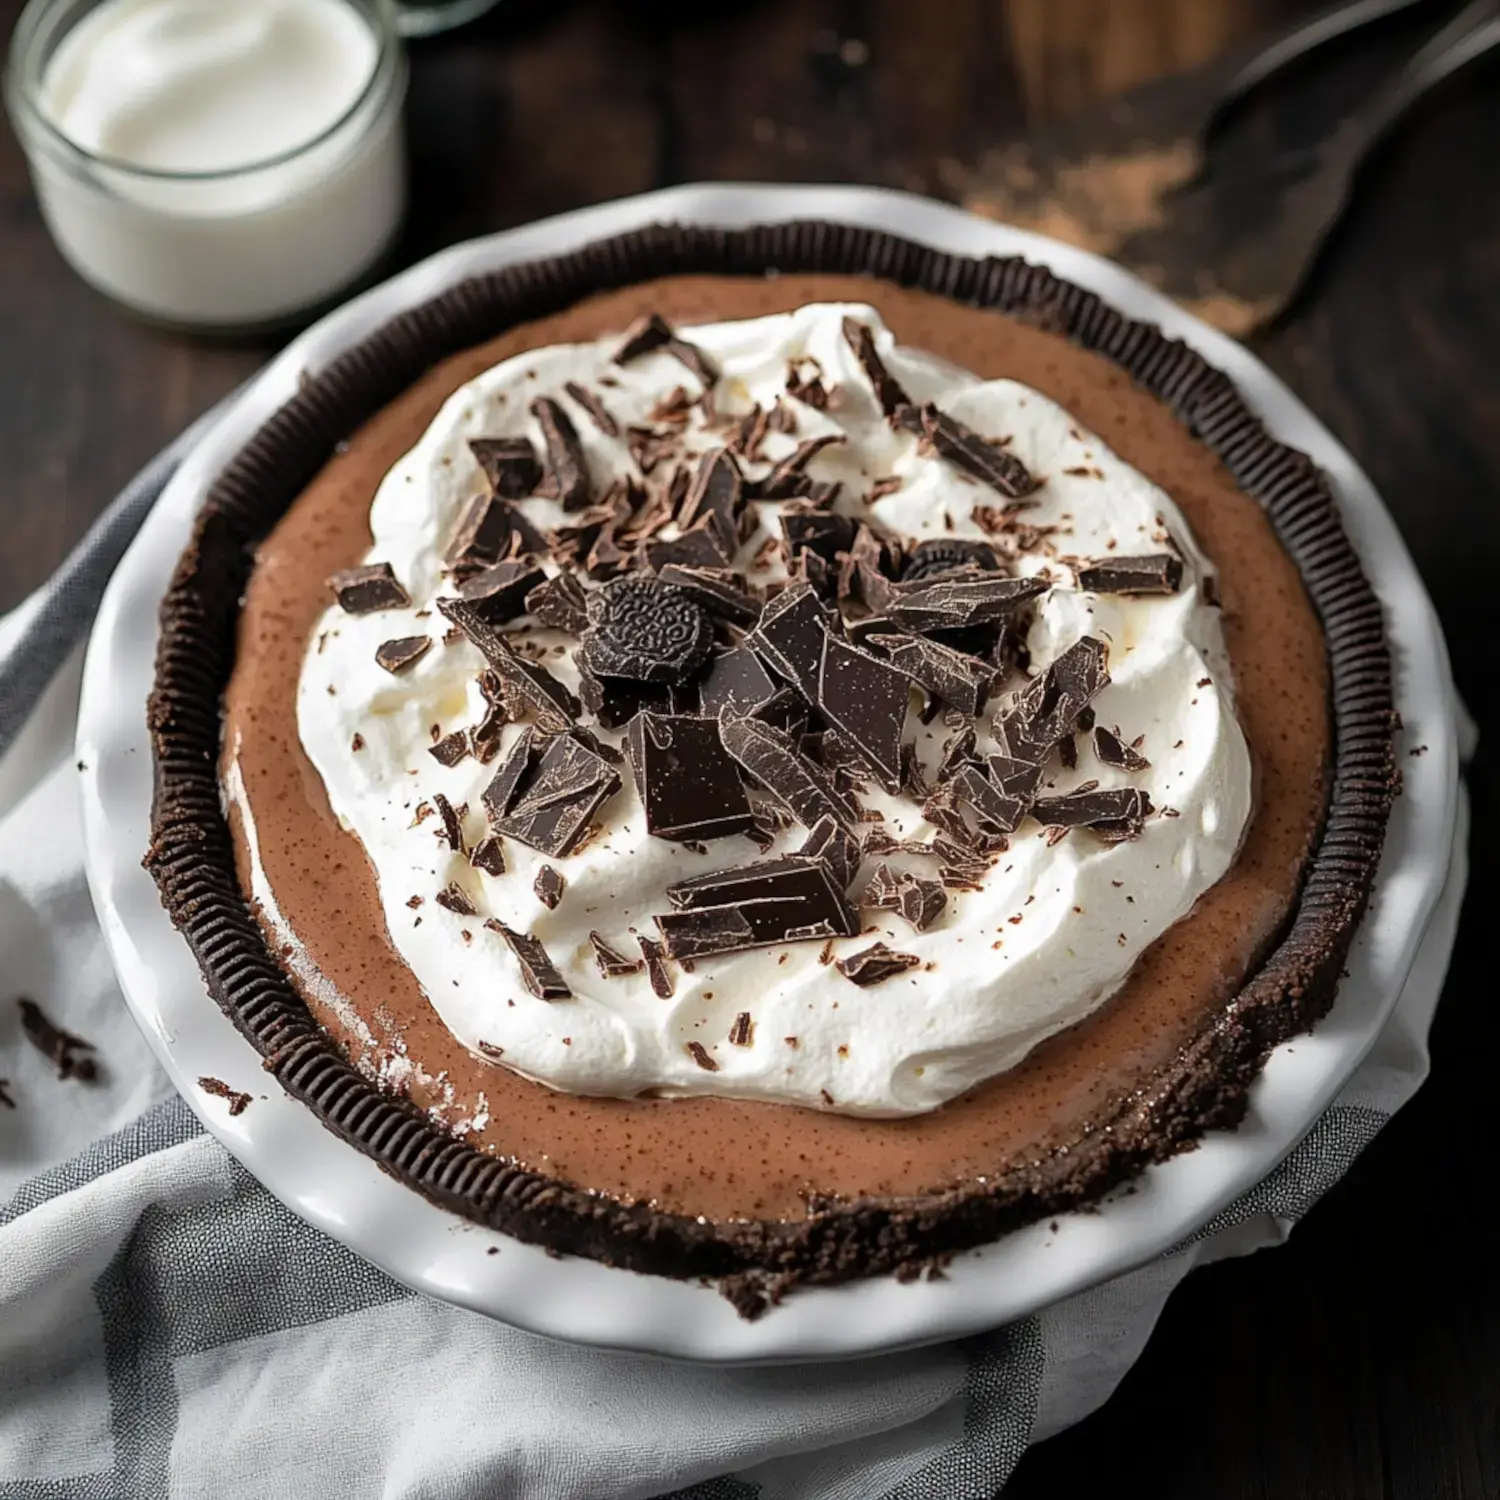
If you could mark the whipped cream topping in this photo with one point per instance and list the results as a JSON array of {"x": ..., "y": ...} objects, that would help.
[{"x": 1056, "y": 925}]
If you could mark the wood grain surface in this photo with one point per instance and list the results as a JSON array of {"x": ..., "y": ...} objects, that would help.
[{"x": 1362, "y": 1361}]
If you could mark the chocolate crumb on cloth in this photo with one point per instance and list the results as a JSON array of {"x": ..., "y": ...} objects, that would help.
[
  {"x": 237, "y": 1101},
  {"x": 65, "y": 1051}
]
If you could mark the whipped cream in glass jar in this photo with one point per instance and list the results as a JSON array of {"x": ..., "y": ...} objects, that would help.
[{"x": 214, "y": 164}]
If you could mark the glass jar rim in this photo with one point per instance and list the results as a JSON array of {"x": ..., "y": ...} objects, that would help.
[{"x": 22, "y": 82}]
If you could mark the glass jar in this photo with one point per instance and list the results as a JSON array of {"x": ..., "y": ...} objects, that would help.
[{"x": 255, "y": 245}]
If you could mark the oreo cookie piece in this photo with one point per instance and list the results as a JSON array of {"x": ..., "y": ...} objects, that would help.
[
  {"x": 645, "y": 630},
  {"x": 947, "y": 554}
]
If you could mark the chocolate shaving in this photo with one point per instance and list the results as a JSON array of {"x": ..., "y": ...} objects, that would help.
[
  {"x": 1049, "y": 705},
  {"x": 788, "y": 478},
  {"x": 488, "y": 856},
  {"x": 612, "y": 964},
  {"x": 888, "y": 390},
  {"x": 953, "y": 603},
  {"x": 867, "y": 699},
  {"x": 836, "y": 847},
  {"x": 489, "y": 530},
  {"x": 984, "y": 461},
  {"x": 749, "y": 436},
  {"x": 567, "y": 466},
  {"x": 920, "y": 902},
  {"x": 656, "y": 966},
  {"x": 548, "y": 887},
  {"x": 405, "y": 651},
  {"x": 500, "y": 795},
  {"x": 499, "y": 592},
  {"x": 689, "y": 786},
  {"x": 643, "y": 336},
  {"x": 826, "y": 532},
  {"x": 559, "y": 799},
  {"x": 767, "y": 902},
  {"x": 717, "y": 495},
  {"x": 646, "y": 630},
  {"x": 790, "y": 636},
  {"x": 1127, "y": 805},
  {"x": 237, "y": 1101},
  {"x": 451, "y": 749},
  {"x": 953, "y": 676},
  {"x": 5, "y": 1097},
  {"x": 699, "y": 546},
  {"x": 804, "y": 790},
  {"x": 722, "y": 593},
  {"x": 526, "y": 683},
  {"x": 559, "y": 604},
  {"x": 700, "y": 1055},
  {"x": 452, "y": 832},
  {"x": 364, "y": 590},
  {"x": 804, "y": 382},
  {"x": 1158, "y": 573},
  {"x": 538, "y": 973},
  {"x": 510, "y": 465},
  {"x": 875, "y": 964},
  {"x": 1113, "y": 751},
  {"x": 615, "y": 701},
  {"x": 597, "y": 412},
  {"x": 60, "y": 1047},
  {"x": 455, "y": 899},
  {"x": 742, "y": 1033},
  {"x": 996, "y": 810},
  {"x": 693, "y": 360}
]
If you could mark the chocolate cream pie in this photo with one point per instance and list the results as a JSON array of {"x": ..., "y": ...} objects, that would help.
[{"x": 771, "y": 777}]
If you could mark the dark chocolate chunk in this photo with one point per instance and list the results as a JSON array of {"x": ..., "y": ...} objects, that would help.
[
  {"x": 826, "y": 532},
  {"x": 836, "y": 847},
  {"x": 984, "y": 461},
  {"x": 615, "y": 701},
  {"x": 874, "y": 964},
  {"x": 559, "y": 604},
  {"x": 456, "y": 899},
  {"x": 548, "y": 887},
  {"x": 364, "y": 590},
  {"x": 396, "y": 656},
  {"x": 699, "y": 546},
  {"x": 567, "y": 465},
  {"x": 510, "y": 465},
  {"x": 1113, "y": 751},
  {"x": 499, "y": 592},
  {"x": 939, "y": 555},
  {"x": 717, "y": 494},
  {"x": 749, "y": 435},
  {"x": 5, "y": 1097},
  {"x": 500, "y": 795},
  {"x": 1083, "y": 809},
  {"x": 1048, "y": 706},
  {"x": 737, "y": 683},
  {"x": 790, "y": 636},
  {"x": 451, "y": 749},
  {"x": 921, "y": 902},
  {"x": 527, "y": 685},
  {"x": 646, "y": 630},
  {"x": 488, "y": 855},
  {"x": 1158, "y": 573},
  {"x": 452, "y": 832},
  {"x": 538, "y": 973},
  {"x": 689, "y": 786},
  {"x": 953, "y": 676},
  {"x": 612, "y": 964},
  {"x": 556, "y": 804},
  {"x": 237, "y": 1101},
  {"x": 642, "y": 337},
  {"x": 60, "y": 1047},
  {"x": 997, "y": 811},
  {"x": 700, "y": 1055},
  {"x": 888, "y": 391},
  {"x": 742, "y": 1033},
  {"x": 597, "y": 411},
  {"x": 1016, "y": 778},
  {"x": 793, "y": 782},
  {"x": 804, "y": 382},
  {"x": 656, "y": 966},
  {"x": 956, "y": 602},
  {"x": 489, "y": 530},
  {"x": 867, "y": 700},
  {"x": 693, "y": 360},
  {"x": 791, "y": 899},
  {"x": 788, "y": 477},
  {"x": 722, "y": 593}
]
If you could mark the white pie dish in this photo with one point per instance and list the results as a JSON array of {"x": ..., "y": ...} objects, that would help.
[{"x": 336, "y": 1188}]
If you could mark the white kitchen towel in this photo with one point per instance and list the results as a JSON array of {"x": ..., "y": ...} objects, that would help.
[{"x": 167, "y": 1328}]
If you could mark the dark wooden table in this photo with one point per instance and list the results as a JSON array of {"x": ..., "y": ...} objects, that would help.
[{"x": 1363, "y": 1360}]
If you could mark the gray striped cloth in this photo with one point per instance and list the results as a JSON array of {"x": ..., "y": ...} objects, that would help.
[{"x": 167, "y": 1328}]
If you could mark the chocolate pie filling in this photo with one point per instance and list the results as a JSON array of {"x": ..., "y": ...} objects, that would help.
[{"x": 725, "y": 1160}]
